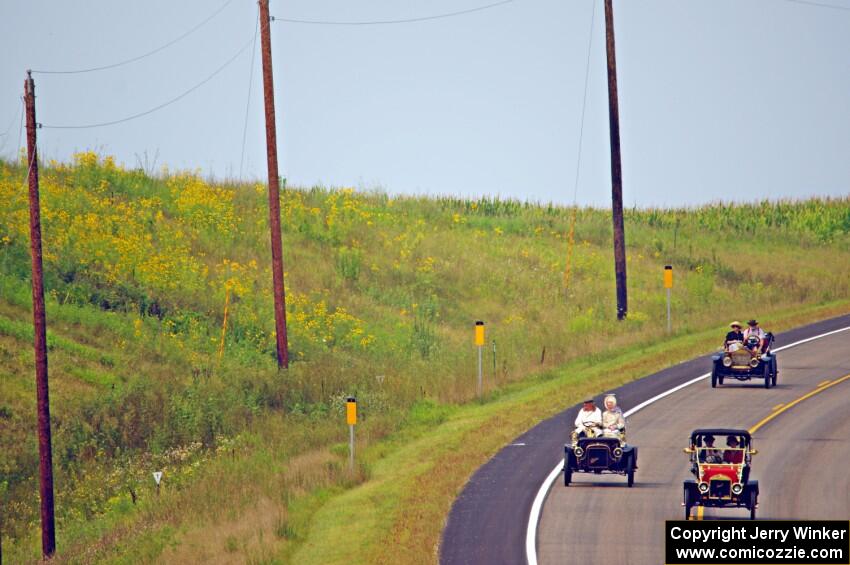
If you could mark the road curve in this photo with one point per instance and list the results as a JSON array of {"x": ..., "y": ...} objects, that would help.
[
  {"x": 487, "y": 523},
  {"x": 661, "y": 431}
]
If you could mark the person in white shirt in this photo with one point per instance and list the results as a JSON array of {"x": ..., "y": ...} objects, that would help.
[
  {"x": 755, "y": 330},
  {"x": 588, "y": 421}
]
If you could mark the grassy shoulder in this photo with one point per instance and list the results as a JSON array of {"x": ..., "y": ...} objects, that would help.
[{"x": 399, "y": 514}]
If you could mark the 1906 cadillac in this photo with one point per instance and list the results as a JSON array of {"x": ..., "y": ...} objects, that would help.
[{"x": 601, "y": 454}]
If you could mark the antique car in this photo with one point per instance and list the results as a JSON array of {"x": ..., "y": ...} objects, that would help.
[
  {"x": 722, "y": 474},
  {"x": 601, "y": 454},
  {"x": 745, "y": 361}
]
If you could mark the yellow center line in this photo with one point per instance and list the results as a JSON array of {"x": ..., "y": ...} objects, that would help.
[
  {"x": 700, "y": 512},
  {"x": 823, "y": 383},
  {"x": 777, "y": 407},
  {"x": 821, "y": 387}
]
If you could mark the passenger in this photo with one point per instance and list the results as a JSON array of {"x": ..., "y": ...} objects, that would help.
[
  {"x": 735, "y": 335},
  {"x": 755, "y": 330},
  {"x": 588, "y": 421},
  {"x": 710, "y": 454},
  {"x": 613, "y": 422},
  {"x": 733, "y": 454}
]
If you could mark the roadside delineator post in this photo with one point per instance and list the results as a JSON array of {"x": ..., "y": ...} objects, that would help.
[
  {"x": 479, "y": 342},
  {"x": 668, "y": 284},
  {"x": 157, "y": 477},
  {"x": 351, "y": 419}
]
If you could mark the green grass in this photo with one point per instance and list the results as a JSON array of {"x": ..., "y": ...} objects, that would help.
[{"x": 382, "y": 293}]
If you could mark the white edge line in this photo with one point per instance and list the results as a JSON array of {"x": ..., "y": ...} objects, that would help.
[{"x": 537, "y": 505}]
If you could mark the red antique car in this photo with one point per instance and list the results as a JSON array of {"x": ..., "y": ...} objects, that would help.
[{"x": 722, "y": 472}]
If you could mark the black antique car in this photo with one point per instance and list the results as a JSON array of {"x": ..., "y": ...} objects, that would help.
[
  {"x": 600, "y": 455},
  {"x": 745, "y": 361},
  {"x": 722, "y": 473}
]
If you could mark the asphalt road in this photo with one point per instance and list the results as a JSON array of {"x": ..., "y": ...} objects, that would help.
[
  {"x": 810, "y": 432},
  {"x": 488, "y": 521}
]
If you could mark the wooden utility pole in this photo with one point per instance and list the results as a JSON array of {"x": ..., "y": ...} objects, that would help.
[
  {"x": 274, "y": 189},
  {"x": 45, "y": 451},
  {"x": 616, "y": 168}
]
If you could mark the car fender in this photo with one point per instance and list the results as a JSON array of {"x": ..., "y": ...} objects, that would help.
[
  {"x": 717, "y": 357},
  {"x": 690, "y": 485},
  {"x": 569, "y": 457},
  {"x": 751, "y": 485}
]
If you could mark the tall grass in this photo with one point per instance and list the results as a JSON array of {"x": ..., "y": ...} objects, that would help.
[{"x": 382, "y": 294}]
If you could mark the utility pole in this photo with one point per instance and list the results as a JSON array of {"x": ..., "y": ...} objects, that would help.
[
  {"x": 274, "y": 189},
  {"x": 45, "y": 451},
  {"x": 616, "y": 168}
]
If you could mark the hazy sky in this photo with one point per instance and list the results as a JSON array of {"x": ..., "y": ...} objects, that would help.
[{"x": 725, "y": 99}]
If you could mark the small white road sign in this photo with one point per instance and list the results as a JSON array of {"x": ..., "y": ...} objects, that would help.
[{"x": 157, "y": 476}]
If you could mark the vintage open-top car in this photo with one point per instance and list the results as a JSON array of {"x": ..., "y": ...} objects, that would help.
[
  {"x": 722, "y": 474},
  {"x": 601, "y": 454},
  {"x": 744, "y": 361}
]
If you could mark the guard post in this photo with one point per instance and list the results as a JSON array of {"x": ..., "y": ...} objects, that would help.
[
  {"x": 479, "y": 342},
  {"x": 668, "y": 284},
  {"x": 351, "y": 419}
]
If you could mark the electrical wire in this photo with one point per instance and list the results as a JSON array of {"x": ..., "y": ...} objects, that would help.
[
  {"x": 5, "y": 135},
  {"x": 584, "y": 102},
  {"x": 385, "y": 22},
  {"x": 248, "y": 103},
  {"x": 819, "y": 4},
  {"x": 573, "y": 217},
  {"x": 159, "y": 107},
  {"x": 142, "y": 56}
]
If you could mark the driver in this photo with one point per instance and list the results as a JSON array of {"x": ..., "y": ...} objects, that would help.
[
  {"x": 588, "y": 421},
  {"x": 709, "y": 453},
  {"x": 613, "y": 422},
  {"x": 755, "y": 331}
]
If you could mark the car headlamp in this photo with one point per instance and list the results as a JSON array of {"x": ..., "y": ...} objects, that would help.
[
  {"x": 578, "y": 451},
  {"x": 754, "y": 362},
  {"x": 618, "y": 452},
  {"x": 737, "y": 489},
  {"x": 703, "y": 487},
  {"x": 727, "y": 361}
]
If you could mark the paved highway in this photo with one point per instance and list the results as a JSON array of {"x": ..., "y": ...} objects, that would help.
[
  {"x": 800, "y": 450},
  {"x": 801, "y": 465}
]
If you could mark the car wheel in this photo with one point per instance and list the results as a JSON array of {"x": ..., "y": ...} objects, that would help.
[
  {"x": 753, "y": 502},
  {"x": 766, "y": 375},
  {"x": 568, "y": 476},
  {"x": 714, "y": 377},
  {"x": 688, "y": 505},
  {"x": 774, "y": 372},
  {"x": 631, "y": 478}
]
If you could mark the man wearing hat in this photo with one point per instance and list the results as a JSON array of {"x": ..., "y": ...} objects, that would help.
[
  {"x": 755, "y": 330},
  {"x": 734, "y": 334},
  {"x": 710, "y": 454},
  {"x": 588, "y": 421}
]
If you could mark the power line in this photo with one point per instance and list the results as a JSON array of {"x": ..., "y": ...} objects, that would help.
[
  {"x": 584, "y": 102},
  {"x": 401, "y": 21},
  {"x": 139, "y": 57},
  {"x": 248, "y": 103},
  {"x": 819, "y": 4},
  {"x": 163, "y": 105}
]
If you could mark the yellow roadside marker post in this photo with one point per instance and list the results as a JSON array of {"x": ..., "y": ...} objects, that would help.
[
  {"x": 479, "y": 342},
  {"x": 668, "y": 284},
  {"x": 351, "y": 419}
]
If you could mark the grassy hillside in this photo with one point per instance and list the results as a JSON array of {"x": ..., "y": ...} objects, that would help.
[{"x": 382, "y": 293}]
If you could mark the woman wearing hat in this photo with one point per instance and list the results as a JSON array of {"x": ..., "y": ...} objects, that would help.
[{"x": 734, "y": 335}]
